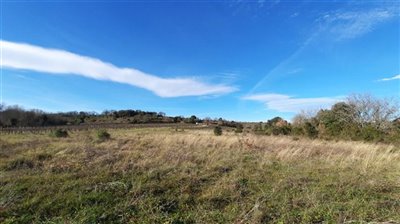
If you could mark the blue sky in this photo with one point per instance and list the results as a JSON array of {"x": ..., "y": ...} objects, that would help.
[{"x": 240, "y": 60}]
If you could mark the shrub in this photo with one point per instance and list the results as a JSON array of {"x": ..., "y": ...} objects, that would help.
[
  {"x": 276, "y": 130},
  {"x": 217, "y": 131},
  {"x": 60, "y": 133},
  {"x": 103, "y": 135},
  {"x": 239, "y": 128},
  {"x": 310, "y": 130},
  {"x": 284, "y": 130},
  {"x": 297, "y": 130},
  {"x": 370, "y": 133},
  {"x": 259, "y": 129}
]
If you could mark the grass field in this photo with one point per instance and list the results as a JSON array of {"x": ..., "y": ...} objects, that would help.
[{"x": 160, "y": 175}]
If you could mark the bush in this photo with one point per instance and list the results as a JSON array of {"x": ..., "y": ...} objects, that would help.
[
  {"x": 275, "y": 130},
  {"x": 370, "y": 133},
  {"x": 284, "y": 130},
  {"x": 217, "y": 131},
  {"x": 239, "y": 128},
  {"x": 310, "y": 130},
  {"x": 103, "y": 135},
  {"x": 60, "y": 133},
  {"x": 297, "y": 130},
  {"x": 259, "y": 129}
]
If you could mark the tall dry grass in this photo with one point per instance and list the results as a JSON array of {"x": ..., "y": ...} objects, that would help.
[{"x": 164, "y": 175}]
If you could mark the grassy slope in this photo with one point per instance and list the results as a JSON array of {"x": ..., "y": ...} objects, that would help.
[{"x": 160, "y": 175}]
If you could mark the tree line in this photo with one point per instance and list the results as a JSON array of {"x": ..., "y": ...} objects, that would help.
[
  {"x": 359, "y": 117},
  {"x": 16, "y": 116}
]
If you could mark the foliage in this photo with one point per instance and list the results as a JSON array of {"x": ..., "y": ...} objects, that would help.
[
  {"x": 258, "y": 128},
  {"x": 217, "y": 130},
  {"x": 372, "y": 111},
  {"x": 275, "y": 126},
  {"x": 103, "y": 135},
  {"x": 310, "y": 130},
  {"x": 192, "y": 120},
  {"x": 15, "y": 116},
  {"x": 361, "y": 117},
  {"x": 370, "y": 133},
  {"x": 60, "y": 133},
  {"x": 239, "y": 128}
]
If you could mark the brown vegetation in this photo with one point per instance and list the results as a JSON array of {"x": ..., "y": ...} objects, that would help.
[{"x": 162, "y": 175}]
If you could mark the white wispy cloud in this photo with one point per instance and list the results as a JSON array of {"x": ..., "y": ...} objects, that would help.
[
  {"x": 351, "y": 24},
  {"x": 35, "y": 58},
  {"x": 285, "y": 103},
  {"x": 333, "y": 26},
  {"x": 391, "y": 78}
]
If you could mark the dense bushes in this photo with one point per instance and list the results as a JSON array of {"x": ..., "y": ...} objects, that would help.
[
  {"x": 15, "y": 116},
  {"x": 360, "y": 117},
  {"x": 275, "y": 126}
]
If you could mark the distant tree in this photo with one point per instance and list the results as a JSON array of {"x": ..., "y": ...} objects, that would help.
[
  {"x": 14, "y": 122},
  {"x": 275, "y": 121},
  {"x": 378, "y": 113},
  {"x": 193, "y": 119},
  {"x": 302, "y": 117},
  {"x": 336, "y": 122},
  {"x": 178, "y": 119}
]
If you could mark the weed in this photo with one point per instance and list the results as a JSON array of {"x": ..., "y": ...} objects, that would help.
[
  {"x": 217, "y": 130},
  {"x": 60, "y": 133},
  {"x": 103, "y": 135}
]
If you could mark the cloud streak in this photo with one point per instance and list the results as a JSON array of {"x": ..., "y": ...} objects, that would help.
[
  {"x": 352, "y": 24},
  {"x": 334, "y": 26},
  {"x": 285, "y": 103},
  {"x": 391, "y": 78},
  {"x": 54, "y": 61}
]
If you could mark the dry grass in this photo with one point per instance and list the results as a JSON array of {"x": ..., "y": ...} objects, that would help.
[{"x": 161, "y": 175}]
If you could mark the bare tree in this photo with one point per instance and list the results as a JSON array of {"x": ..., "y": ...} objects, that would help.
[
  {"x": 369, "y": 110},
  {"x": 304, "y": 116}
]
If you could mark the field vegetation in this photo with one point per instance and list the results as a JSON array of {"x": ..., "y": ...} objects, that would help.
[{"x": 165, "y": 175}]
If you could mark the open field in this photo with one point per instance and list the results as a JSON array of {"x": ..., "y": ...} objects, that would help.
[{"x": 160, "y": 175}]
